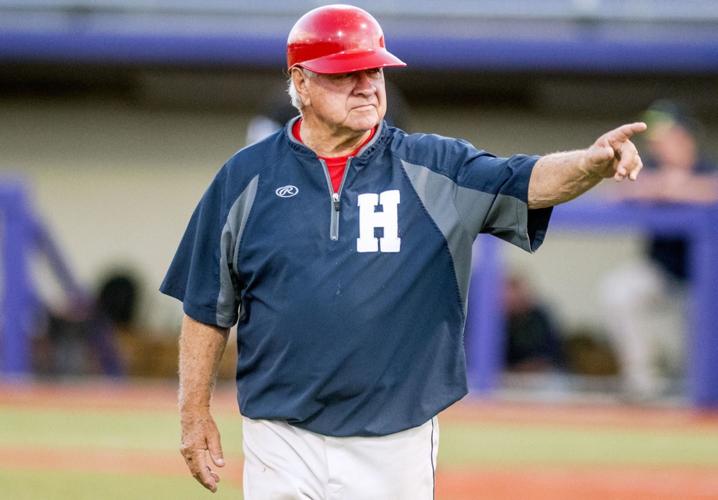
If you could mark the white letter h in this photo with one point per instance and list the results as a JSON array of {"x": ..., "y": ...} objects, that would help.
[{"x": 388, "y": 219}]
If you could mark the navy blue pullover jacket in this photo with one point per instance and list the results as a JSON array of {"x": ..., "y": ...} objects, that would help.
[{"x": 349, "y": 306}]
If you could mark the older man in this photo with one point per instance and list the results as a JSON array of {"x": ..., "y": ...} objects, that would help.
[{"x": 342, "y": 247}]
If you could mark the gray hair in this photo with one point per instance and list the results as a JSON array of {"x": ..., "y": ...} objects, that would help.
[{"x": 292, "y": 90}]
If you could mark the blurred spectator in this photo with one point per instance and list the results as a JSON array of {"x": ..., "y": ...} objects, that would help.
[
  {"x": 276, "y": 111},
  {"x": 79, "y": 338},
  {"x": 533, "y": 343},
  {"x": 117, "y": 298},
  {"x": 645, "y": 300}
]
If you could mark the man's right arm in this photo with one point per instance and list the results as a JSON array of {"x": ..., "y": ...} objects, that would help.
[
  {"x": 560, "y": 177},
  {"x": 200, "y": 351}
]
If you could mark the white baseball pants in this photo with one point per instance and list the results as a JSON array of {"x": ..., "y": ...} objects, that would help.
[{"x": 283, "y": 462}]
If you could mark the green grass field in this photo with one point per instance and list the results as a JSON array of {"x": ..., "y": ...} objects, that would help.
[
  {"x": 31, "y": 485},
  {"x": 57, "y": 451}
]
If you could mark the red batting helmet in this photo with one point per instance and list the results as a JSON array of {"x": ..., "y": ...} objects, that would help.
[{"x": 338, "y": 39}]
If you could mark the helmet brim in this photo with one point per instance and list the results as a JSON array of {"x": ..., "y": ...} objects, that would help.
[{"x": 346, "y": 62}]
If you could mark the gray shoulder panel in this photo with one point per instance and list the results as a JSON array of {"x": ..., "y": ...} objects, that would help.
[
  {"x": 438, "y": 194},
  {"x": 508, "y": 220},
  {"x": 462, "y": 213},
  {"x": 227, "y": 301}
]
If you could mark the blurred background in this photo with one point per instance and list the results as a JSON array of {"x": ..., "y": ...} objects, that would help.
[{"x": 116, "y": 114}]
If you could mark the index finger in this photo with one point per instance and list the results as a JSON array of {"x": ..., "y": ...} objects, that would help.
[
  {"x": 197, "y": 464},
  {"x": 625, "y": 132}
]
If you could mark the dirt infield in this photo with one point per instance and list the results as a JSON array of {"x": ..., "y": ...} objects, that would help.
[
  {"x": 121, "y": 396},
  {"x": 150, "y": 396},
  {"x": 570, "y": 483},
  {"x": 535, "y": 482}
]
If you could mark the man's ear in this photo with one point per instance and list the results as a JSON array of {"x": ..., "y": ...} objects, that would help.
[{"x": 300, "y": 84}]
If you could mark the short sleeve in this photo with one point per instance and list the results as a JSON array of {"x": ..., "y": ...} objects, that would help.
[
  {"x": 492, "y": 198},
  {"x": 200, "y": 275}
]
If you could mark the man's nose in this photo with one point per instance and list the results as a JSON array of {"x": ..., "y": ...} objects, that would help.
[{"x": 364, "y": 84}]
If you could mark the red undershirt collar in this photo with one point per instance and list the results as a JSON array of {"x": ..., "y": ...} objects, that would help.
[{"x": 336, "y": 164}]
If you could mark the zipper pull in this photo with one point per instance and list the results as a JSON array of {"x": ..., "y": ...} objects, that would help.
[{"x": 335, "y": 201}]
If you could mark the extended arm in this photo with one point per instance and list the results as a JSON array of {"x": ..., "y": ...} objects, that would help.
[
  {"x": 200, "y": 350},
  {"x": 560, "y": 177}
]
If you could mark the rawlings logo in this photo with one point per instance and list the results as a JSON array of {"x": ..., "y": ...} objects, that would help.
[{"x": 287, "y": 191}]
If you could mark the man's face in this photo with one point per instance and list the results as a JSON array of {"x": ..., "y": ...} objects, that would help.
[{"x": 354, "y": 101}]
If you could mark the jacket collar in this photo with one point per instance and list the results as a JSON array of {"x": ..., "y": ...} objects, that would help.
[{"x": 365, "y": 154}]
